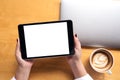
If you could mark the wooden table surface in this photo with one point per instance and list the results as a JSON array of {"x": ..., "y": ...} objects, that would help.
[{"x": 14, "y": 12}]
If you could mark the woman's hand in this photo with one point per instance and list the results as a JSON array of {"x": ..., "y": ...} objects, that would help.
[
  {"x": 77, "y": 48},
  {"x": 22, "y": 62},
  {"x": 24, "y": 66},
  {"x": 75, "y": 60}
]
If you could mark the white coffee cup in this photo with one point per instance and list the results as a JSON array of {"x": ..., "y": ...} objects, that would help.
[{"x": 101, "y": 60}]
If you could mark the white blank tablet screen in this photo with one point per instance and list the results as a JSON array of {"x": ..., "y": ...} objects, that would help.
[{"x": 46, "y": 39}]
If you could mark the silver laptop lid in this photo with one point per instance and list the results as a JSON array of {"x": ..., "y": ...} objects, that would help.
[{"x": 96, "y": 23}]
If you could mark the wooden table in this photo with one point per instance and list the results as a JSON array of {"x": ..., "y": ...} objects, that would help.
[
  {"x": 14, "y": 12},
  {"x": 58, "y": 68}
]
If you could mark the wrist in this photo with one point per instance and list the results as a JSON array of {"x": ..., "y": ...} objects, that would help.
[
  {"x": 22, "y": 73},
  {"x": 75, "y": 62},
  {"x": 78, "y": 68}
]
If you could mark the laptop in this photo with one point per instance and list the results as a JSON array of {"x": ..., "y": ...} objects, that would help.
[{"x": 97, "y": 23}]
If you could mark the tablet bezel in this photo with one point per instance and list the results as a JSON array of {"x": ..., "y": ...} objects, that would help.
[{"x": 23, "y": 45}]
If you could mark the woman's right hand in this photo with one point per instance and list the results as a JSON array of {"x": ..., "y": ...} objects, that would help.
[
  {"x": 77, "y": 48},
  {"x": 75, "y": 60}
]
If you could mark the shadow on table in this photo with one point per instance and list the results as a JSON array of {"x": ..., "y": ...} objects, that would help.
[{"x": 52, "y": 67}]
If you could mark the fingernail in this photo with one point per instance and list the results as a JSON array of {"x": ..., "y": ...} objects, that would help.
[{"x": 75, "y": 35}]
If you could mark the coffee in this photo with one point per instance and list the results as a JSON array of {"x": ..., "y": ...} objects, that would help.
[{"x": 101, "y": 60}]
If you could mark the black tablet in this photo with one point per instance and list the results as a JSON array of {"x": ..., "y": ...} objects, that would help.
[{"x": 46, "y": 39}]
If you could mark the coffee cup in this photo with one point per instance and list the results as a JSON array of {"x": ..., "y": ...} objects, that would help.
[{"x": 101, "y": 60}]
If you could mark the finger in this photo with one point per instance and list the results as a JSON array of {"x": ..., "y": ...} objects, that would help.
[
  {"x": 17, "y": 46},
  {"x": 77, "y": 42},
  {"x": 18, "y": 43},
  {"x": 18, "y": 53}
]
